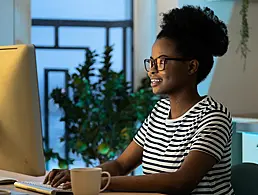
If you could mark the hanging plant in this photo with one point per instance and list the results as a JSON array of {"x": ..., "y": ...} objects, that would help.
[{"x": 244, "y": 31}]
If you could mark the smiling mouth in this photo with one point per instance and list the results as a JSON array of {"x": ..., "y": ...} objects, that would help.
[{"x": 155, "y": 82}]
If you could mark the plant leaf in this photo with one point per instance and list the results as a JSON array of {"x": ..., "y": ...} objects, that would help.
[{"x": 103, "y": 149}]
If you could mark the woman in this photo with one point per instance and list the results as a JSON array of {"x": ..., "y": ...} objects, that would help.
[{"x": 184, "y": 144}]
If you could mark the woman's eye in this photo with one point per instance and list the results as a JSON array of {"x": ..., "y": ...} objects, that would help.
[{"x": 162, "y": 61}]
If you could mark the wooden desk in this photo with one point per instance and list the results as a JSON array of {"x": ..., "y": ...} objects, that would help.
[{"x": 17, "y": 191}]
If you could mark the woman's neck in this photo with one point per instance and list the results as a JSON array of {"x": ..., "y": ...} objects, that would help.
[{"x": 182, "y": 101}]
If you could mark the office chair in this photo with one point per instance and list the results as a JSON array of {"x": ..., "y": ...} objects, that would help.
[{"x": 244, "y": 179}]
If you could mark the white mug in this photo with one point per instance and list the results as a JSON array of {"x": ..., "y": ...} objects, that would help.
[{"x": 87, "y": 181}]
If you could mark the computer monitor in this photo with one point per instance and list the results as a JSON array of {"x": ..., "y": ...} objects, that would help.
[{"x": 21, "y": 148}]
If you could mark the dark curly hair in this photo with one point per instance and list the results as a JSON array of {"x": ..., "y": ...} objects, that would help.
[{"x": 198, "y": 34}]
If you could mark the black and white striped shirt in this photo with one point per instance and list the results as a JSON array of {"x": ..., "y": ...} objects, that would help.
[{"x": 206, "y": 127}]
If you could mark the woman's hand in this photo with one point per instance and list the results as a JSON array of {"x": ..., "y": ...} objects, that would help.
[
  {"x": 67, "y": 185},
  {"x": 57, "y": 177}
]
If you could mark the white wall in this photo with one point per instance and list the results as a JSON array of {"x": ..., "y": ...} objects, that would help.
[
  {"x": 144, "y": 34},
  {"x": 230, "y": 83},
  {"x": 163, "y": 6},
  {"x": 15, "y": 22}
]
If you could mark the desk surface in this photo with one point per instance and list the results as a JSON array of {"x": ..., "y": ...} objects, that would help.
[{"x": 21, "y": 177}]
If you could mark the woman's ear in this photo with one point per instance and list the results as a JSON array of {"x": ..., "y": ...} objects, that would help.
[{"x": 193, "y": 67}]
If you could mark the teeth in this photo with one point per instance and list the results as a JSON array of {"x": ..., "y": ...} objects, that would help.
[{"x": 156, "y": 80}]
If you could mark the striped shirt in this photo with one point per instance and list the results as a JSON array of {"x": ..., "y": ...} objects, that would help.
[{"x": 206, "y": 127}]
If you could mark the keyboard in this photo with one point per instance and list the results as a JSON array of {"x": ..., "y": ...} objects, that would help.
[{"x": 41, "y": 188}]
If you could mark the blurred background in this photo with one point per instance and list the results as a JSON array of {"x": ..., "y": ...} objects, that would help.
[{"x": 61, "y": 30}]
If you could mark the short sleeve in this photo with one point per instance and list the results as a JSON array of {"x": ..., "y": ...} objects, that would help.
[
  {"x": 139, "y": 138},
  {"x": 213, "y": 134}
]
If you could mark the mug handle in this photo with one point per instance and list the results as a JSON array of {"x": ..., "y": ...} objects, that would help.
[{"x": 108, "y": 182}]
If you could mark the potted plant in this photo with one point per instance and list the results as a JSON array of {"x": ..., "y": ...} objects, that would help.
[
  {"x": 244, "y": 31},
  {"x": 102, "y": 116}
]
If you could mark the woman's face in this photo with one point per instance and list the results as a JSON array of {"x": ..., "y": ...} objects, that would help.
[{"x": 175, "y": 75}]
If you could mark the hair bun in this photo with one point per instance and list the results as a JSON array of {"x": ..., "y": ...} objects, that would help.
[
  {"x": 218, "y": 34},
  {"x": 199, "y": 26}
]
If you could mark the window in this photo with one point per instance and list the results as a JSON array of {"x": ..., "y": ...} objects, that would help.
[{"x": 61, "y": 30}]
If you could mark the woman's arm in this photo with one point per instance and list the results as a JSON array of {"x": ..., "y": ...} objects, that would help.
[
  {"x": 124, "y": 164},
  {"x": 183, "y": 181}
]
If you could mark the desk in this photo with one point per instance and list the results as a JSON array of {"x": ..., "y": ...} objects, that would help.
[{"x": 40, "y": 179}]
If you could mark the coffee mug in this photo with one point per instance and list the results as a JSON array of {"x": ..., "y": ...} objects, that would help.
[{"x": 87, "y": 181}]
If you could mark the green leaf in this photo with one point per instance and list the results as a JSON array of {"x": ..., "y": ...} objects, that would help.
[
  {"x": 111, "y": 154},
  {"x": 82, "y": 148},
  {"x": 80, "y": 104},
  {"x": 62, "y": 164},
  {"x": 62, "y": 139},
  {"x": 95, "y": 110},
  {"x": 79, "y": 144},
  {"x": 103, "y": 149}
]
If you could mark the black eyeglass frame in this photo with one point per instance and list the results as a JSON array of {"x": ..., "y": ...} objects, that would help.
[{"x": 147, "y": 61}]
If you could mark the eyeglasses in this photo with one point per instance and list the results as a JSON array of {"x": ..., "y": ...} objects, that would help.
[{"x": 160, "y": 63}]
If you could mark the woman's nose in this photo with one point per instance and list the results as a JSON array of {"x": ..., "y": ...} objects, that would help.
[
  {"x": 153, "y": 71},
  {"x": 154, "y": 68}
]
